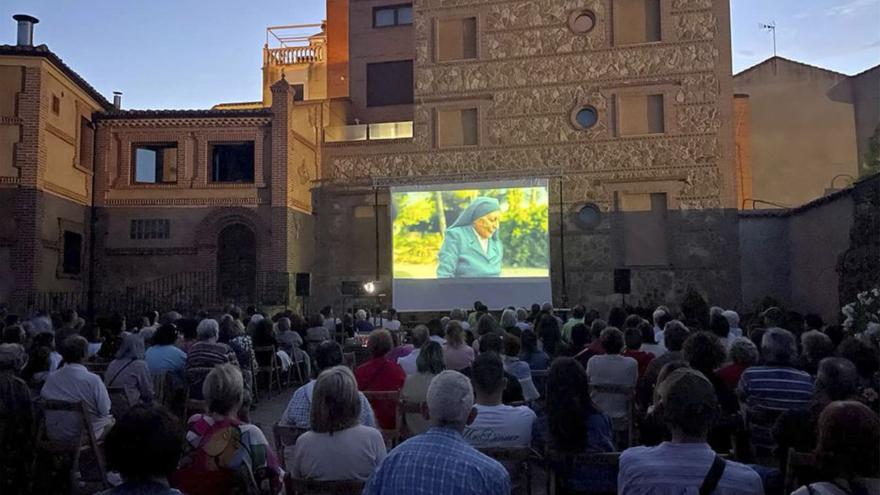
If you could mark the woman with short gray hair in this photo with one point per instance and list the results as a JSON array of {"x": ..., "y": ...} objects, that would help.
[
  {"x": 742, "y": 354},
  {"x": 207, "y": 352},
  {"x": 130, "y": 371},
  {"x": 220, "y": 444},
  {"x": 338, "y": 447}
]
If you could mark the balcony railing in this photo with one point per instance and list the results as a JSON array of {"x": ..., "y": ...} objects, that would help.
[
  {"x": 295, "y": 55},
  {"x": 368, "y": 132},
  {"x": 295, "y": 44}
]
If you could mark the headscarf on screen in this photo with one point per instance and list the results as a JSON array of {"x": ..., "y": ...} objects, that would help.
[{"x": 479, "y": 207}]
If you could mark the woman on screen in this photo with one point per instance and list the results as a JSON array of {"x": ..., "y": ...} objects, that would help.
[{"x": 471, "y": 247}]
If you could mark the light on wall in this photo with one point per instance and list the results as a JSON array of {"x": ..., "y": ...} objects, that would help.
[{"x": 370, "y": 287}]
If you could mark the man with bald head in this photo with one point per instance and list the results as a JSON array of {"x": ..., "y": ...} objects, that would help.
[{"x": 439, "y": 461}]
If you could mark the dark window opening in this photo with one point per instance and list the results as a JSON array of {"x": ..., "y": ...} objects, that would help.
[
  {"x": 393, "y": 15},
  {"x": 232, "y": 162},
  {"x": 389, "y": 83},
  {"x": 158, "y": 228},
  {"x": 71, "y": 263},
  {"x": 56, "y": 105},
  {"x": 155, "y": 164},
  {"x": 299, "y": 92}
]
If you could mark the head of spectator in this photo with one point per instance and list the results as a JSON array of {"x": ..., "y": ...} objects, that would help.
[
  {"x": 165, "y": 335},
  {"x": 632, "y": 338},
  {"x": 836, "y": 379},
  {"x": 862, "y": 354},
  {"x": 778, "y": 347},
  {"x": 450, "y": 401},
  {"x": 173, "y": 316},
  {"x": 521, "y": 314},
  {"x": 715, "y": 311},
  {"x": 661, "y": 317},
  {"x": 69, "y": 318},
  {"x": 743, "y": 352},
  {"x": 568, "y": 405},
  {"x": 579, "y": 312},
  {"x": 756, "y": 335},
  {"x": 360, "y": 315},
  {"x": 704, "y": 352},
  {"x": 773, "y": 318},
  {"x": 612, "y": 340},
  {"x": 719, "y": 326},
  {"x": 632, "y": 321},
  {"x": 596, "y": 328},
  {"x": 580, "y": 336},
  {"x": 315, "y": 321},
  {"x": 487, "y": 377},
  {"x": 435, "y": 328},
  {"x": 208, "y": 330},
  {"x": 264, "y": 332},
  {"x": 549, "y": 332},
  {"x": 512, "y": 346},
  {"x": 223, "y": 390},
  {"x": 508, "y": 319},
  {"x": 616, "y": 317},
  {"x": 529, "y": 343},
  {"x": 812, "y": 321},
  {"x": 74, "y": 350},
  {"x": 14, "y": 334},
  {"x": 132, "y": 348},
  {"x": 326, "y": 311},
  {"x": 188, "y": 328},
  {"x": 732, "y": 318},
  {"x": 849, "y": 433},
  {"x": 327, "y": 355},
  {"x": 430, "y": 359},
  {"x": 674, "y": 335},
  {"x": 228, "y": 329},
  {"x": 379, "y": 343},
  {"x": 646, "y": 329},
  {"x": 144, "y": 446},
  {"x": 283, "y": 324},
  {"x": 492, "y": 342},
  {"x": 420, "y": 335},
  {"x": 687, "y": 404},
  {"x": 457, "y": 314},
  {"x": 91, "y": 332},
  {"x": 336, "y": 405},
  {"x": 486, "y": 325},
  {"x": 815, "y": 346}
]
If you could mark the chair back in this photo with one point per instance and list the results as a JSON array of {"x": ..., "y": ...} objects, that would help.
[
  {"x": 624, "y": 423},
  {"x": 539, "y": 380},
  {"x": 348, "y": 359},
  {"x": 798, "y": 464},
  {"x": 392, "y": 435},
  {"x": 86, "y": 440},
  {"x": 195, "y": 377},
  {"x": 267, "y": 353},
  {"x": 163, "y": 387},
  {"x": 285, "y": 436},
  {"x": 517, "y": 461},
  {"x": 299, "y": 486},
  {"x": 403, "y": 408}
]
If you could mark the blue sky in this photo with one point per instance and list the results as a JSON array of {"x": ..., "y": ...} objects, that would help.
[{"x": 195, "y": 53}]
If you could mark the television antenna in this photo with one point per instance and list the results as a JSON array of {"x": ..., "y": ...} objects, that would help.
[{"x": 771, "y": 26}]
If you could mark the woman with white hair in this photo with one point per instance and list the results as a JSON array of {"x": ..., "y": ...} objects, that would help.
[
  {"x": 362, "y": 324},
  {"x": 205, "y": 354},
  {"x": 221, "y": 446},
  {"x": 130, "y": 371},
  {"x": 733, "y": 321},
  {"x": 742, "y": 354},
  {"x": 337, "y": 447}
]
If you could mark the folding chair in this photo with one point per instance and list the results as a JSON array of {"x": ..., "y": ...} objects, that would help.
[
  {"x": 298, "y": 486},
  {"x": 391, "y": 436},
  {"x": 406, "y": 407},
  {"x": 271, "y": 370},
  {"x": 285, "y": 436},
  {"x": 518, "y": 462},
  {"x": 625, "y": 423},
  {"x": 797, "y": 464},
  {"x": 195, "y": 402}
]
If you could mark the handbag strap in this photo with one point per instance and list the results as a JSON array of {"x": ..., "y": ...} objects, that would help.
[
  {"x": 120, "y": 371},
  {"x": 710, "y": 482}
]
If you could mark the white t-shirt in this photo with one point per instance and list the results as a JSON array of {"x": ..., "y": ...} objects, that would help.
[
  {"x": 353, "y": 453},
  {"x": 612, "y": 369},
  {"x": 408, "y": 362},
  {"x": 392, "y": 325},
  {"x": 825, "y": 488},
  {"x": 500, "y": 426}
]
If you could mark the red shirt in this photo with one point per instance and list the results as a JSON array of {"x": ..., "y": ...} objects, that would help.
[
  {"x": 730, "y": 375},
  {"x": 644, "y": 358},
  {"x": 380, "y": 375}
]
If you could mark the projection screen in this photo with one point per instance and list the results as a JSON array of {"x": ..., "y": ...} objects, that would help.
[{"x": 454, "y": 244}]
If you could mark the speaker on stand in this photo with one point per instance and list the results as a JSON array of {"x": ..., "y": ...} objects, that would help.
[
  {"x": 622, "y": 278},
  {"x": 303, "y": 289}
]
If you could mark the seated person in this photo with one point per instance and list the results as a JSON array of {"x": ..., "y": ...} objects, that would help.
[
  {"x": 531, "y": 354},
  {"x": 380, "y": 375},
  {"x": 225, "y": 455},
  {"x": 130, "y": 371},
  {"x": 687, "y": 403},
  {"x": 439, "y": 461},
  {"x": 456, "y": 353},
  {"x": 849, "y": 434},
  {"x": 298, "y": 412},
  {"x": 17, "y": 418},
  {"x": 574, "y": 424},
  {"x": 612, "y": 368},
  {"x": 206, "y": 353},
  {"x": 632, "y": 338},
  {"x": 496, "y": 425},
  {"x": 291, "y": 342},
  {"x": 419, "y": 337},
  {"x": 415, "y": 388},
  {"x": 164, "y": 355},
  {"x": 742, "y": 354},
  {"x": 337, "y": 447},
  {"x": 74, "y": 383},
  {"x": 144, "y": 447},
  {"x": 517, "y": 368}
]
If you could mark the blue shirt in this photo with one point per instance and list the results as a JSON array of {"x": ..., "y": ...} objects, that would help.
[
  {"x": 679, "y": 469},
  {"x": 773, "y": 389},
  {"x": 161, "y": 358},
  {"x": 299, "y": 409},
  {"x": 438, "y": 462}
]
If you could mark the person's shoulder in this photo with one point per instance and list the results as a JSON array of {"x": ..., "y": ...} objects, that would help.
[
  {"x": 637, "y": 454},
  {"x": 524, "y": 411},
  {"x": 740, "y": 474}
]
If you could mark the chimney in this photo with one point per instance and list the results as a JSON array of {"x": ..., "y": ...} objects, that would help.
[
  {"x": 117, "y": 100},
  {"x": 25, "y": 29}
]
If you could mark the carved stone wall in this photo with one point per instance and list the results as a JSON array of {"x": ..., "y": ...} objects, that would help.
[{"x": 531, "y": 72}]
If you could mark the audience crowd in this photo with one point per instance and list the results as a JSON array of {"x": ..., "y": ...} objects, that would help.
[{"x": 643, "y": 401}]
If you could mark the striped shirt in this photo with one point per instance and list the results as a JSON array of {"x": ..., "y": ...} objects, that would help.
[
  {"x": 438, "y": 462},
  {"x": 679, "y": 468},
  {"x": 769, "y": 391}
]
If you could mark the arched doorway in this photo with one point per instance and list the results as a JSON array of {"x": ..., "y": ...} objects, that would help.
[{"x": 237, "y": 263}]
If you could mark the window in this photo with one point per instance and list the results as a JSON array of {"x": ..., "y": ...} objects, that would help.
[
  {"x": 71, "y": 263},
  {"x": 154, "y": 228},
  {"x": 640, "y": 114},
  {"x": 582, "y": 21},
  {"x": 636, "y": 21},
  {"x": 86, "y": 143},
  {"x": 232, "y": 162},
  {"x": 389, "y": 83},
  {"x": 589, "y": 217},
  {"x": 644, "y": 228},
  {"x": 585, "y": 117},
  {"x": 392, "y": 15},
  {"x": 457, "y": 127},
  {"x": 155, "y": 164},
  {"x": 457, "y": 38},
  {"x": 299, "y": 92},
  {"x": 56, "y": 105}
]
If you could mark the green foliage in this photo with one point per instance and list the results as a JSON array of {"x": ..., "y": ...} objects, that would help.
[{"x": 871, "y": 164}]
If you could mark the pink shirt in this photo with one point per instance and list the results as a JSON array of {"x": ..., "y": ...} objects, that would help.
[{"x": 458, "y": 358}]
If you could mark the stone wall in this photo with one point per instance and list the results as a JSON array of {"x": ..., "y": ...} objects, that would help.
[{"x": 530, "y": 74}]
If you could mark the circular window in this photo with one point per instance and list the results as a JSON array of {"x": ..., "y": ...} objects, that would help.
[
  {"x": 589, "y": 216},
  {"x": 585, "y": 117},
  {"x": 582, "y": 21}
]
